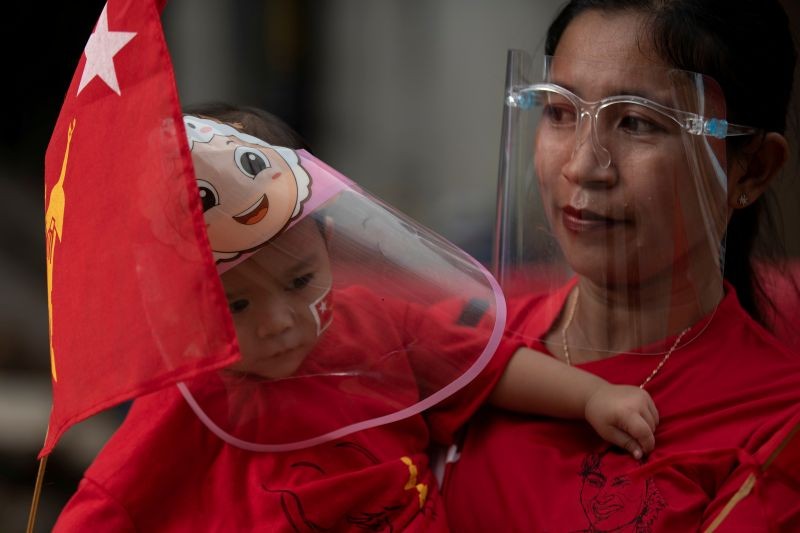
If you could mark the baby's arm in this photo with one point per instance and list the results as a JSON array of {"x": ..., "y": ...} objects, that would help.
[{"x": 624, "y": 415}]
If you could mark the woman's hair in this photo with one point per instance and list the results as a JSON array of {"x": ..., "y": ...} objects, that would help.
[
  {"x": 253, "y": 121},
  {"x": 747, "y": 47}
]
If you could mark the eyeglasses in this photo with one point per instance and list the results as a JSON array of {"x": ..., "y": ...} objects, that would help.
[{"x": 618, "y": 122}]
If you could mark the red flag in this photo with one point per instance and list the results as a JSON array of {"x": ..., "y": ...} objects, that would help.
[
  {"x": 135, "y": 302},
  {"x": 773, "y": 488}
]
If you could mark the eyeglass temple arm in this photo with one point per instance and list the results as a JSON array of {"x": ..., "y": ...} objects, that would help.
[{"x": 717, "y": 127}]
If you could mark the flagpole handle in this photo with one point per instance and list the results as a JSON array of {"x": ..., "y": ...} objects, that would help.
[{"x": 37, "y": 492}]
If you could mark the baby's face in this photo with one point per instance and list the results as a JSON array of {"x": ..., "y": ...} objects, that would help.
[{"x": 271, "y": 298}]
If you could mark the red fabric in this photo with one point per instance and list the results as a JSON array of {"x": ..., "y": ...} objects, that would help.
[
  {"x": 722, "y": 399},
  {"x": 135, "y": 301},
  {"x": 770, "y": 489},
  {"x": 165, "y": 471}
]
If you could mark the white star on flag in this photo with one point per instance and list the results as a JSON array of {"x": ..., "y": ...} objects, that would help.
[{"x": 100, "y": 51}]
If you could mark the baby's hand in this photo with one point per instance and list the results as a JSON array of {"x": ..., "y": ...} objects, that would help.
[{"x": 624, "y": 415}]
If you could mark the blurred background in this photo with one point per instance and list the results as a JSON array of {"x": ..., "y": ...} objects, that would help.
[{"x": 403, "y": 97}]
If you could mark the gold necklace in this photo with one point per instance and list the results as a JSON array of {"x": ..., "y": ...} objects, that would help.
[{"x": 566, "y": 347}]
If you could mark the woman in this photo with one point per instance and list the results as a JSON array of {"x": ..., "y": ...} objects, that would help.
[{"x": 661, "y": 128}]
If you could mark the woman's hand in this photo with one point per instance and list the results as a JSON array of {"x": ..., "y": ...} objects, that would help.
[{"x": 624, "y": 415}]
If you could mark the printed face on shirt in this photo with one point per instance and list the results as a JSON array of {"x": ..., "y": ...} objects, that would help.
[
  {"x": 651, "y": 210},
  {"x": 611, "y": 499},
  {"x": 272, "y": 297}
]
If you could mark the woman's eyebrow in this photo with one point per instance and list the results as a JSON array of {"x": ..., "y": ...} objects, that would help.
[{"x": 619, "y": 91}]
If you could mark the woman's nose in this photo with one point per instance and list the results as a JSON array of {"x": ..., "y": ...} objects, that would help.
[
  {"x": 590, "y": 163},
  {"x": 275, "y": 318}
]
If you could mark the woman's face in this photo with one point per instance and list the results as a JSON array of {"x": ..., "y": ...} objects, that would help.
[
  {"x": 271, "y": 297},
  {"x": 644, "y": 215}
]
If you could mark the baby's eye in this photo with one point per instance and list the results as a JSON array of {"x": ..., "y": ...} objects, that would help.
[
  {"x": 237, "y": 306},
  {"x": 303, "y": 281}
]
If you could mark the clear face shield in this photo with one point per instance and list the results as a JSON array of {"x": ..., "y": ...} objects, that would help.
[
  {"x": 348, "y": 315},
  {"x": 613, "y": 187}
]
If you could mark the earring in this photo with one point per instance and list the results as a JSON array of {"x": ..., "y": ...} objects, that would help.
[{"x": 742, "y": 201}]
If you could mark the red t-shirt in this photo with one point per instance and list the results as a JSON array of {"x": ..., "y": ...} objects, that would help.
[
  {"x": 720, "y": 399},
  {"x": 163, "y": 470}
]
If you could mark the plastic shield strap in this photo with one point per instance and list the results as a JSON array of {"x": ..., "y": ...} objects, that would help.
[
  {"x": 349, "y": 317},
  {"x": 612, "y": 179}
]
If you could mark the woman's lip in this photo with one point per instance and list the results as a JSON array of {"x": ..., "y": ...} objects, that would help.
[{"x": 580, "y": 220}]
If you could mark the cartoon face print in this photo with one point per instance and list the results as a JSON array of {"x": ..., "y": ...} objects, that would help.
[
  {"x": 280, "y": 301},
  {"x": 249, "y": 189},
  {"x": 614, "y": 500}
]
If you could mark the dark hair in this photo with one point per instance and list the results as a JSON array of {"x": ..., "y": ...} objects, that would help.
[
  {"x": 253, "y": 121},
  {"x": 747, "y": 47}
]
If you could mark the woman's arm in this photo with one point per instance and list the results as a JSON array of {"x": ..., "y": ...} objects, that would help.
[{"x": 536, "y": 383}]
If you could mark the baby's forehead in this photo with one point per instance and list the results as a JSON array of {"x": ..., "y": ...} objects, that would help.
[
  {"x": 285, "y": 256},
  {"x": 308, "y": 232},
  {"x": 299, "y": 240}
]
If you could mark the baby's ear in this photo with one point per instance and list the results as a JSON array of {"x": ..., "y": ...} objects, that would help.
[
  {"x": 329, "y": 228},
  {"x": 757, "y": 170}
]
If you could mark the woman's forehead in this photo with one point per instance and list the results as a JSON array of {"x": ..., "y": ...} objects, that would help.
[
  {"x": 595, "y": 80},
  {"x": 606, "y": 54},
  {"x": 620, "y": 36}
]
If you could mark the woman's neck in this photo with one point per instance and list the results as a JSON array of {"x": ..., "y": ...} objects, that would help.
[{"x": 609, "y": 320}]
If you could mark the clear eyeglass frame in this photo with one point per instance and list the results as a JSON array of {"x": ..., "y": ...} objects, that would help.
[
  {"x": 693, "y": 123},
  {"x": 532, "y": 95}
]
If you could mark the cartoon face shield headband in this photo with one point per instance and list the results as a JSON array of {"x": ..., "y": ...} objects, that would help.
[
  {"x": 414, "y": 320},
  {"x": 613, "y": 178}
]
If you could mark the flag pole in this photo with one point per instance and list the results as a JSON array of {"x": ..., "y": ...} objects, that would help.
[{"x": 37, "y": 492}]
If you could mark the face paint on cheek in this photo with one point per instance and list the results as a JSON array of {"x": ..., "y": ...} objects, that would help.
[{"x": 322, "y": 310}]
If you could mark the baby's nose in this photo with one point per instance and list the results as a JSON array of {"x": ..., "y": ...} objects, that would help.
[{"x": 276, "y": 318}]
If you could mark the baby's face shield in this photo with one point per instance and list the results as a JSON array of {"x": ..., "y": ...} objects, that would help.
[
  {"x": 616, "y": 174},
  {"x": 348, "y": 315}
]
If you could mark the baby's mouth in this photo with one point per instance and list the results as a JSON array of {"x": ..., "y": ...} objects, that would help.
[{"x": 255, "y": 213}]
